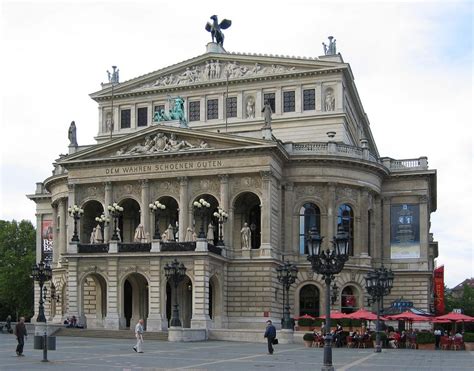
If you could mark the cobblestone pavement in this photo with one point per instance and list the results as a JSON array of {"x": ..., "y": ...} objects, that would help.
[{"x": 117, "y": 354}]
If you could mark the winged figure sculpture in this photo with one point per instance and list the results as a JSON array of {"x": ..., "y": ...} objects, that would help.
[{"x": 215, "y": 28}]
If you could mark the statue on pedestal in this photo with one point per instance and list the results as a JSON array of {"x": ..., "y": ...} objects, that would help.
[
  {"x": 246, "y": 235},
  {"x": 72, "y": 136},
  {"x": 210, "y": 234},
  {"x": 267, "y": 114},
  {"x": 215, "y": 28}
]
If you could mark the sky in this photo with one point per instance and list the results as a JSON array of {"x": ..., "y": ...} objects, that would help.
[{"x": 412, "y": 62}]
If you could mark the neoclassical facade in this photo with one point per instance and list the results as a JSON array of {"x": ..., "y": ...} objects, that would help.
[{"x": 195, "y": 130}]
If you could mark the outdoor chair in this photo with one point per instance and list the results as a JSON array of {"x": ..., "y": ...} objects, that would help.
[
  {"x": 350, "y": 342},
  {"x": 412, "y": 343},
  {"x": 457, "y": 344},
  {"x": 445, "y": 343},
  {"x": 318, "y": 342}
]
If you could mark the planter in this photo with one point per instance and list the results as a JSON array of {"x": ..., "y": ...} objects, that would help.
[
  {"x": 469, "y": 346},
  {"x": 429, "y": 346},
  {"x": 308, "y": 344},
  {"x": 305, "y": 328}
]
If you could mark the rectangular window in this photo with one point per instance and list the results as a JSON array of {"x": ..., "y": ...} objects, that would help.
[
  {"x": 309, "y": 101},
  {"x": 231, "y": 107},
  {"x": 142, "y": 116},
  {"x": 195, "y": 111},
  {"x": 125, "y": 115},
  {"x": 158, "y": 107},
  {"x": 271, "y": 99},
  {"x": 212, "y": 109},
  {"x": 288, "y": 101}
]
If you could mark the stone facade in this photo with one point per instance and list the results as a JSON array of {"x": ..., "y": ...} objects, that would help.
[{"x": 317, "y": 165}]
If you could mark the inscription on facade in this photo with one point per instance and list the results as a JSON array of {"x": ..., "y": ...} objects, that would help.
[{"x": 162, "y": 168}]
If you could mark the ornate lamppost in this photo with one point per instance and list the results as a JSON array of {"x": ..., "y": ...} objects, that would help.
[
  {"x": 201, "y": 207},
  {"x": 334, "y": 293},
  {"x": 115, "y": 210},
  {"x": 102, "y": 220},
  {"x": 175, "y": 271},
  {"x": 221, "y": 216},
  {"x": 42, "y": 273},
  {"x": 328, "y": 263},
  {"x": 378, "y": 283},
  {"x": 287, "y": 274},
  {"x": 76, "y": 212},
  {"x": 155, "y": 208}
]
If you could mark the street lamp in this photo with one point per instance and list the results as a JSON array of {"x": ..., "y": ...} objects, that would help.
[
  {"x": 378, "y": 283},
  {"x": 201, "y": 207},
  {"x": 287, "y": 274},
  {"x": 155, "y": 208},
  {"x": 102, "y": 220},
  {"x": 42, "y": 273},
  {"x": 115, "y": 210},
  {"x": 76, "y": 212},
  {"x": 175, "y": 271},
  {"x": 221, "y": 216},
  {"x": 327, "y": 263}
]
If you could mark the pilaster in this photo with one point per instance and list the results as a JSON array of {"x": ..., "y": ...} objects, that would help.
[
  {"x": 331, "y": 214},
  {"x": 71, "y": 202},
  {"x": 184, "y": 219},
  {"x": 112, "y": 320},
  {"x": 200, "y": 318},
  {"x": 424, "y": 227},
  {"x": 287, "y": 238},
  {"x": 224, "y": 191},
  {"x": 386, "y": 205},
  {"x": 266, "y": 209},
  {"x": 145, "y": 200},
  {"x": 73, "y": 309},
  {"x": 62, "y": 228},
  {"x": 108, "y": 201},
  {"x": 56, "y": 228}
]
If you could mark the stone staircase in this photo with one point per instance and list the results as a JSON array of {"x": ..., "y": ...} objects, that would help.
[{"x": 109, "y": 334}]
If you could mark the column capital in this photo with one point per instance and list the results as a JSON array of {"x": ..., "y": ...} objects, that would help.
[
  {"x": 224, "y": 178},
  {"x": 144, "y": 183},
  {"x": 266, "y": 175},
  {"x": 183, "y": 180},
  {"x": 423, "y": 199},
  {"x": 71, "y": 186},
  {"x": 387, "y": 199},
  {"x": 289, "y": 186},
  {"x": 332, "y": 186}
]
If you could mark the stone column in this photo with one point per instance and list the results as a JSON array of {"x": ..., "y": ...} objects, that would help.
[
  {"x": 62, "y": 228},
  {"x": 386, "y": 206},
  {"x": 184, "y": 219},
  {"x": 362, "y": 244},
  {"x": 424, "y": 226},
  {"x": 200, "y": 318},
  {"x": 288, "y": 241},
  {"x": 55, "y": 234},
  {"x": 377, "y": 222},
  {"x": 224, "y": 190},
  {"x": 145, "y": 200},
  {"x": 331, "y": 214},
  {"x": 266, "y": 210},
  {"x": 108, "y": 201},
  {"x": 156, "y": 321},
  {"x": 112, "y": 320}
]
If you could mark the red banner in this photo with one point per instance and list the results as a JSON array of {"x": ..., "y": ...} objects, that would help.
[{"x": 438, "y": 286}]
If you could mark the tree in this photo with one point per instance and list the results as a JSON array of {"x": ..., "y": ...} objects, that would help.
[{"x": 17, "y": 256}]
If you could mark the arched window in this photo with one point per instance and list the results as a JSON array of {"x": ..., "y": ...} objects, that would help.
[
  {"x": 345, "y": 219},
  {"x": 309, "y": 300},
  {"x": 309, "y": 216},
  {"x": 349, "y": 302}
]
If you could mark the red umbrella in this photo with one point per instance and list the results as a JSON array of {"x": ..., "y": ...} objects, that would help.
[
  {"x": 306, "y": 316},
  {"x": 335, "y": 314},
  {"x": 363, "y": 314},
  {"x": 436, "y": 320},
  {"x": 458, "y": 317},
  {"x": 408, "y": 316}
]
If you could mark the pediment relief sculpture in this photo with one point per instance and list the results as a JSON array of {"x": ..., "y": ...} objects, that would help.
[
  {"x": 218, "y": 70},
  {"x": 161, "y": 143}
]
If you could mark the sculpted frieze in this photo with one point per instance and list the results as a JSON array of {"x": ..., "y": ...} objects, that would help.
[
  {"x": 88, "y": 192},
  {"x": 346, "y": 193},
  {"x": 310, "y": 190},
  {"x": 251, "y": 183},
  {"x": 164, "y": 188},
  {"x": 127, "y": 189},
  {"x": 217, "y": 70},
  {"x": 160, "y": 143}
]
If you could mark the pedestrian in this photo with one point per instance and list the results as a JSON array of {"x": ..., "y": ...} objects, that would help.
[
  {"x": 270, "y": 334},
  {"x": 437, "y": 334},
  {"x": 139, "y": 335},
  {"x": 8, "y": 324},
  {"x": 21, "y": 334}
]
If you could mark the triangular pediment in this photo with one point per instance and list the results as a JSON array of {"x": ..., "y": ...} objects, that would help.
[
  {"x": 161, "y": 140},
  {"x": 212, "y": 68}
]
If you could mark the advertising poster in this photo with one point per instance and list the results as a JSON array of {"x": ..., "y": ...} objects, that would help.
[
  {"x": 47, "y": 241},
  {"x": 405, "y": 231},
  {"x": 439, "y": 290}
]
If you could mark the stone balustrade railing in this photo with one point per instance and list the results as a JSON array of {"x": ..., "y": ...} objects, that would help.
[{"x": 405, "y": 165}]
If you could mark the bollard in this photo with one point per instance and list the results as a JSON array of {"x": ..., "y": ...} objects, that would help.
[{"x": 45, "y": 347}]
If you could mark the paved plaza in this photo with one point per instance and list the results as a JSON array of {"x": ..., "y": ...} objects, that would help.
[{"x": 115, "y": 354}]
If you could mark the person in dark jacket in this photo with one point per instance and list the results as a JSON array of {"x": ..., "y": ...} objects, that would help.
[
  {"x": 270, "y": 334},
  {"x": 20, "y": 333}
]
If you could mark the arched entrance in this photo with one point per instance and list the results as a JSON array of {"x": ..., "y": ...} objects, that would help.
[
  {"x": 247, "y": 210},
  {"x": 208, "y": 217},
  {"x": 185, "y": 301},
  {"x": 169, "y": 216},
  {"x": 135, "y": 299},
  {"x": 129, "y": 220},
  {"x": 309, "y": 300},
  {"x": 92, "y": 209},
  {"x": 94, "y": 300},
  {"x": 349, "y": 301}
]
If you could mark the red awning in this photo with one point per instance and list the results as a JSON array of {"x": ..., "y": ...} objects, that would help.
[
  {"x": 363, "y": 314},
  {"x": 335, "y": 314},
  {"x": 305, "y": 316},
  {"x": 458, "y": 317},
  {"x": 408, "y": 316}
]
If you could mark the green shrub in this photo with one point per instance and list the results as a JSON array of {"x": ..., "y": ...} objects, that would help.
[
  {"x": 308, "y": 336},
  {"x": 425, "y": 338},
  {"x": 468, "y": 337},
  {"x": 305, "y": 322}
]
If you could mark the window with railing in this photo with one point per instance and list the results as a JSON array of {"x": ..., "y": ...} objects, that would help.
[
  {"x": 309, "y": 99},
  {"x": 231, "y": 107},
  {"x": 195, "y": 111},
  {"x": 289, "y": 101},
  {"x": 212, "y": 109}
]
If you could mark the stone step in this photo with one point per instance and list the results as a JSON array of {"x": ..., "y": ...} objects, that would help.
[{"x": 109, "y": 334}]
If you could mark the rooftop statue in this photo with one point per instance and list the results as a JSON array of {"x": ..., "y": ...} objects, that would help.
[
  {"x": 216, "y": 28},
  {"x": 114, "y": 76},
  {"x": 331, "y": 48},
  {"x": 175, "y": 113},
  {"x": 72, "y": 136}
]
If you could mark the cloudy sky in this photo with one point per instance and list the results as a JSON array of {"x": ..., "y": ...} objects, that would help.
[{"x": 412, "y": 63}]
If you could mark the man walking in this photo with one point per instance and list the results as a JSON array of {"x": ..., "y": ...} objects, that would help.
[
  {"x": 20, "y": 333},
  {"x": 270, "y": 334},
  {"x": 139, "y": 335}
]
